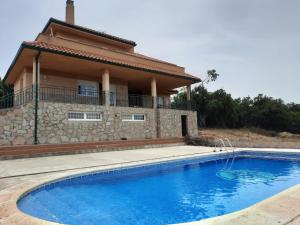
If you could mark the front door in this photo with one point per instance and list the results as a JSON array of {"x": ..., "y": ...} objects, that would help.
[{"x": 183, "y": 126}]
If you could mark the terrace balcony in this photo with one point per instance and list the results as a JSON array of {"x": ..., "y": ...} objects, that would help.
[{"x": 72, "y": 96}]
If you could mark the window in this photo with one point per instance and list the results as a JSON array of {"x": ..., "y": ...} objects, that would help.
[
  {"x": 85, "y": 116},
  {"x": 160, "y": 102},
  {"x": 86, "y": 88},
  {"x": 113, "y": 95},
  {"x": 75, "y": 116},
  {"x": 93, "y": 116},
  {"x": 139, "y": 117},
  {"x": 112, "y": 98},
  {"x": 126, "y": 117},
  {"x": 133, "y": 117}
]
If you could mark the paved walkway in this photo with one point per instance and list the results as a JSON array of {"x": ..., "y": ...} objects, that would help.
[
  {"x": 20, "y": 170},
  {"x": 280, "y": 209}
]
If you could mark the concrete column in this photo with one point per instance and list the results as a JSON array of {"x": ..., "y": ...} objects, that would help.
[
  {"x": 154, "y": 92},
  {"x": 188, "y": 96},
  {"x": 105, "y": 87}
]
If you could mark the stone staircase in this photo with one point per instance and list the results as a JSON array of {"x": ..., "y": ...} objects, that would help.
[{"x": 27, "y": 151}]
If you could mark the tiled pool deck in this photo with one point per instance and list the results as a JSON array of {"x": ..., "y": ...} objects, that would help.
[{"x": 19, "y": 176}]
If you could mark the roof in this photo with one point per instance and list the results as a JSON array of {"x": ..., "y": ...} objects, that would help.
[
  {"x": 56, "y": 49},
  {"x": 91, "y": 31}
]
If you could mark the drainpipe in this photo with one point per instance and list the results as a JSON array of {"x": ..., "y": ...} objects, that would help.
[{"x": 36, "y": 105}]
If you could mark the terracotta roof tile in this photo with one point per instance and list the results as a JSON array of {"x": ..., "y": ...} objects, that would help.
[{"x": 105, "y": 59}]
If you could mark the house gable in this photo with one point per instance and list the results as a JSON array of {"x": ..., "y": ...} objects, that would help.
[{"x": 66, "y": 31}]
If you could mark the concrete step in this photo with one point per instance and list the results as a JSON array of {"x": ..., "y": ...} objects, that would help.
[
  {"x": 12, "y": 152},
  {"x": 23, "y": 147}
]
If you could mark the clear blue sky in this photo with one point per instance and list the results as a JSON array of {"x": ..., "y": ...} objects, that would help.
[{"x": 254, "y": 45}]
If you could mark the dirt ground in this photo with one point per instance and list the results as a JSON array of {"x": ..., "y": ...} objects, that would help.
[{"x": 253, "y": 138}]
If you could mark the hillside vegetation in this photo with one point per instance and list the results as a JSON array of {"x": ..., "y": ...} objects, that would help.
[{"x": 219, "y": 110}]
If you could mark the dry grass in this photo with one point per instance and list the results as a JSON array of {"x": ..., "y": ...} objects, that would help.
[{"x": 253, "y": 137}]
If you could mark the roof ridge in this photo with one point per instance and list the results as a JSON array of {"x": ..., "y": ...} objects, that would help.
[{"x": 86, "y": 29}]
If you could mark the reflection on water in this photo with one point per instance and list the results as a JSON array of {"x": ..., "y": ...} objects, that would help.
[
  {"x": 184, "y": 193},
  {"x": 253, "y": 176}
]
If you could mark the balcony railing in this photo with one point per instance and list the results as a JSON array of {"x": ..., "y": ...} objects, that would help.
[
  {"x": 16, "y": 99},
  {"x": 72, "y": 96},
  {"x": 137, "y": 101}
]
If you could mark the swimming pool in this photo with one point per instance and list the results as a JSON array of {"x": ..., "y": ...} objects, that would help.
[{"x": 165, "y": 193}]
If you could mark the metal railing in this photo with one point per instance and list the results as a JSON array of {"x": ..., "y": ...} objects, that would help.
[
  {"x": 166, "y": 103},
  {"x": 136, "y": 101},
  {"x": 18, "y": 98},
  {"x": 73, "y": 96},
  {"x": 230, "y": 151},
  {"x": 7, "y": 101}
]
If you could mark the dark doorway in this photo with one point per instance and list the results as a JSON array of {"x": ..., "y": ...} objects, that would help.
[
  {"x": 135, "y": 98},
  {"x": 183, "y": 126},
  {"x": 101, "y": 95}
]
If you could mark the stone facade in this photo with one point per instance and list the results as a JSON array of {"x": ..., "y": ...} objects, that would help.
[
  {"x": 169, "y": 123},
  {"x": 17, "y": 125},
  {"x": 54, "y": 126}
]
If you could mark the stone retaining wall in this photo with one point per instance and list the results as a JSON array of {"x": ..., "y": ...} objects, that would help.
[
  {"x": 54, "y": 126},
  {"x": 17, "y": 125}
]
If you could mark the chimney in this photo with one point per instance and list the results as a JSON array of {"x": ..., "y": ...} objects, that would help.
[{"x": 70, "y": 12}]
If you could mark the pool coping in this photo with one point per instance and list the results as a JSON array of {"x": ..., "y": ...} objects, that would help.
[{"x": 281, "y": 208}]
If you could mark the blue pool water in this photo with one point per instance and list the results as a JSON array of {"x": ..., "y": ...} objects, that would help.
[{"x": 169, "y": 193}]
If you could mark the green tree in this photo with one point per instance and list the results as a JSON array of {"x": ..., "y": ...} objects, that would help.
[
  {"x": 219, "y": 109},
  {"x": 199, "y": 98},
  {"x": 244, "y": 110},
  {"x": 212, "y": 76},
  {"x": 199, "y": 101},
  {"x": 270, "y": 114},
  {"x": 179, "y": 101}
]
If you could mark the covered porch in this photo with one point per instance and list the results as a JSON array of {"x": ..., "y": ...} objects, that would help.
[{"x": 71, "y": 78}]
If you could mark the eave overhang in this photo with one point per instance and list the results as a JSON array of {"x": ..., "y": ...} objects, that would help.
[{"x": 26, "y": 45}]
